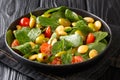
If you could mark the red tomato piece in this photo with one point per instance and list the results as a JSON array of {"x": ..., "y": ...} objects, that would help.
[
  {"x": 24, "y": 21},
  {"x": 48, "y": 32},
  {"x": 77, "y": 59},
  {"x": 90, "y": 38},
  {"x": 56, "y": 61},
  {"x": 45, "y": 48},
  {"x": 15, "y": 43}
]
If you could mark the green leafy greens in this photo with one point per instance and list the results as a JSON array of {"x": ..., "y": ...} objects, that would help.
[
  {"x": 82, "y": 26},
  {"x": 67, "y": 57},
  {"x": 22, "y": 35},
  {"x": 34, "y": 33},
  {"x": 75, "y": 39}
]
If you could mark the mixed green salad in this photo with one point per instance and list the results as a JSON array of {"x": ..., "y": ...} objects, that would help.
[{"x": 59, "y": 36}]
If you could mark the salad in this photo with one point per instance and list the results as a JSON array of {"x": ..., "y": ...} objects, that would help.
[{"x": 59, "y": 36}]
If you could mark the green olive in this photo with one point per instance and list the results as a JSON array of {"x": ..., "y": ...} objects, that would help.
[
  {"x": 32, "y": 21},
  {"x": 91, "y": 25},
  {"x": 42, "y": 57},
  {"x": 40, "y": 39},
  {"x": 46, "y": 15},
  {"x": 64, "y": 22},
  {"x": 67, "y": 29},
  {"x": 33, "y": 57},
  {"x": 32, "y": 44},
  {"x": 80, "y": 33},
  {"x": 60, "y": 53},
  {"x": 38, "y": 26}
]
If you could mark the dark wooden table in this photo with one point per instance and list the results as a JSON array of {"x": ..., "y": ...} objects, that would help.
[{"x": 108, "y": 10}]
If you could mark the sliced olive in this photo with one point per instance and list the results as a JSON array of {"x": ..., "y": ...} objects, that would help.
[
  {"x": 42, "y": 57},
  {"x": 40, "y": 39},
  {"x": 64, "y": 22}
]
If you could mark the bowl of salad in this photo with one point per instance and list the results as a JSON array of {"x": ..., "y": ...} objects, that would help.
[{"x": 58, "y": 38}]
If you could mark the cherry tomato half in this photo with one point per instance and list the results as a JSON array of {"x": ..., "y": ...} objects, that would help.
[
  {"x": 24, "y": 21},
  {"x": 77, "y": 59},
  {"x": 56, "y": 61},
  {"x": 90, "y": 38},
  {"x": 48, "y": 32},
  {"x": 15, "y": 43},
  {"x": 45, "y": 48}
]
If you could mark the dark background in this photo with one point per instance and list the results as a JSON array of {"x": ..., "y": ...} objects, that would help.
[{"x": 108, "y": 10}]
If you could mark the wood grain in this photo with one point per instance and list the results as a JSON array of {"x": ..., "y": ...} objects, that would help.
[{"x": 108, "y": 10}]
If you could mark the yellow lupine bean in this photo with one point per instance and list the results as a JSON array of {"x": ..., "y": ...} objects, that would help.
[
  {"x": 82, "y": 49},
  {"x": 18, "y": 27},
  {"x": 93, "y": 53},
  {"x": 97, "y": 25},
  {"x": 89, "y": 19},
  {"x": 60, "y": 30},
  {"x": 73, "y": 23}
]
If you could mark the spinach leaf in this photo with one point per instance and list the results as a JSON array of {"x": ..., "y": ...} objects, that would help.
[
  {"x": 35, "y": 49},
  {"x": 67, "y": 44},
  {"x": 22, "y": 35},
  {"x": 70, "y": 15},
  {"x": 61, "y": 8},
  {"x": 100, "y": 35},
  {"x": 82, "y": 26},
  {"x": 85, "y": 56},
  {"x": 97, "y": 46},
  {"x": 27, "y": 55},
  {"x": 80, "y": 17},
  {"x": 57, "y": 15},
  {"x": 34, "y": 33},
  {"x": 44, "y": 21},
  {"x": 57, "y": 47},
  {"x": 9, "y": 37},
  {"x": 104, "y": 41},
  {"x": 62, "y": 45},
  {"x": 24, "y": 48},
  {"x": 67, "y": 57},
  {"x": 75, "y": 39}
]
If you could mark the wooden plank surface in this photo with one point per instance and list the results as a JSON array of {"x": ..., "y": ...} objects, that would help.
[
  {"x": 11, "y": 9},
  {"x": 108, "y": 10}
]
